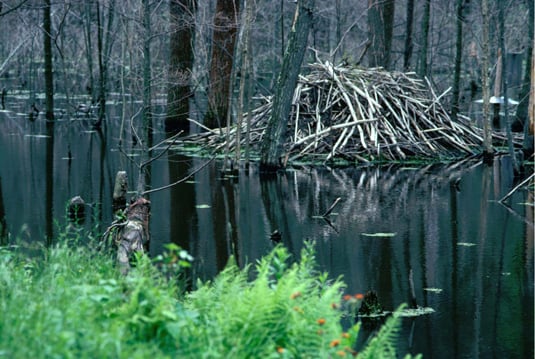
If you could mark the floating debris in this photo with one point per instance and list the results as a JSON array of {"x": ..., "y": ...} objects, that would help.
[
  {"x": 378, "y": 234},
  {"x": 466, "y": 244},
  {"x": 203, "y": 206},
  {"x": 433, "y": 290}
]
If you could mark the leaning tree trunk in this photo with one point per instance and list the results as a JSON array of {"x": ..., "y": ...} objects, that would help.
[
  {"x": 49, "y": 77},
  {"x": 276, "y": 132}
]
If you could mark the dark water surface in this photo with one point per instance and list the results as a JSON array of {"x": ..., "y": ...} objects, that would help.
[{"x": 470, "y": 258}]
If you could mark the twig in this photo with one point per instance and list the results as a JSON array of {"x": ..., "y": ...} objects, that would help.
[
  {"x": 516, "y": 188},
  {"x": 326, "y": 214},
  {"x": 180, "y": 180}
]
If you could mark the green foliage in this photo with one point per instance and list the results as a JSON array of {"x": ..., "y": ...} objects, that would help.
[
  {"x": 73, "y": 303},
  {"x": 382, "y": 346}
]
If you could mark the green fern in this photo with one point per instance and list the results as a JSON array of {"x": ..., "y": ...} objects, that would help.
[{"x": 383, "y": 345}]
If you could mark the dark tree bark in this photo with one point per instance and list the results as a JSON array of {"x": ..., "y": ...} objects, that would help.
[
  {"x": 223, "y": 43},
  {"x": 104, "y": 49},
  {"x": 89, "y": 46},
  {"x": 407, "y": 53},
  {"x": 49, "y": 76},
  {"x": 182, "y": 18},
  {"x": 458, "y": 58},
  {"x": 421, "y": 69},
  {"x": 522, "y": 109},
  {"x": 276, "y": 132},
  {"x": 487, "y": 128},
  {"x": 381, "y": 25}
]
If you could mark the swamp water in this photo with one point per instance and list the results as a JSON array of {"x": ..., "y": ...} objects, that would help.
[{"x": 438, "y": 226}]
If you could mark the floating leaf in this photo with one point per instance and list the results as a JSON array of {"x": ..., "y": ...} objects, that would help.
[
  {"x": 466, "y": 244},
  {"x": 202, "y": 206},
  {"x": 433, "y": 290},
  {"x": 379, "y": 234}
]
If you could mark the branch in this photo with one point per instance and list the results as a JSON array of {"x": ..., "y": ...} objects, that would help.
[
  {"x": 516, "y": 188},
  {"x": 180, "y": 180}
]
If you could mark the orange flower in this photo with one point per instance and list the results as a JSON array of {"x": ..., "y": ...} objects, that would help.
[
  {"x": 347, "y": 297},
  {"x": 321, "y": 321},
  {"x": 335, "y": 305},
  {"x": 359, "y": 296},
  {"x": 280, "y": 350},
  {"x": 334, "y": 343},
  {"x": 345, "y": 335},
  {"x": 295, "y": 295},
  {"x": 341, "y": 353}
]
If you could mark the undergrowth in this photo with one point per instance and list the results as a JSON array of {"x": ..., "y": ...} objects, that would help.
[{"x": 73, "y": 303}]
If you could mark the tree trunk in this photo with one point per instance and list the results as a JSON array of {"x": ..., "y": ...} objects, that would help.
[
  {"x": 522, "y": 109},
  {"x": 487, "y": 128},
  {"x": 421, "y": 69},
  {"x": 49, "y": 76},
  {"x": 224, "y": 40},
  {"x": 182, "y": 27},
  {"x": 276, "y": 132},
  {"x": 89, "y": 47},
  {"x": 458, "y": 59},
  {"x": 104, "y": 49},
  {"x": 147, "y": 78},
  {"x": 380, "y": 24},
  {"x": 407, "y": 53}
]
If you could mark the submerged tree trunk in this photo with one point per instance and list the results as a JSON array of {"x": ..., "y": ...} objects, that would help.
[
  {"x": 224, "y": 40},
  {"x": 276, "y": 132},
  {"x": 182, "y": 28},
  {"x": 458, "y": 59},
  {"x": 49, "y": 76}
]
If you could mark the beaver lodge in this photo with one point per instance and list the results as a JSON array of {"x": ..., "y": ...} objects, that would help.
[{"x": 359, "y": 115}]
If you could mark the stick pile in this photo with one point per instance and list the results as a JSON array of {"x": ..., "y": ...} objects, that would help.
[{"x": 359, "y": 114}]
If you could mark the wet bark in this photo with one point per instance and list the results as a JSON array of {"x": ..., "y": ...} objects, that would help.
[
  {"x": 487, "y": 128},
  {"x": 224, "y": 39},
  {"x": 104, "y": 50},
  {"x": 182, "y": 18},
  {"x": 119, "y": 191},
  {"x": 276, "y": 132}
]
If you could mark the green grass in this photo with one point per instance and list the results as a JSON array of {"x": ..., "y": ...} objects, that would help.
[{"x": 71, "y": 302}]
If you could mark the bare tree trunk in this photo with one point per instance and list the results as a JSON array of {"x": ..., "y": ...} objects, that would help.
[
  {"x": 407, "y": 53},
  {"x": 89, "y": 47},
  {"x": 522, "y": 113},
  {"x": 421, "y": 68},
  {"x": 49, "y": 76},
  {"x": 147, "y": 78},
  {"x": 224, "y": 39},
  {"x": 487, "y": 128},
  {"x": 380, "y": 24},
  {"x": 510, "y": 145},
  {"x": 458, "y": 59},
  {"x": 104, "y": 40},
  {"x": 276, "y": 132},
  {"x": 182, "y": 18}
]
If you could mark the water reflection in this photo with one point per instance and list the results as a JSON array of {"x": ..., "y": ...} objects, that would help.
[{"x": 455, "y": 248}]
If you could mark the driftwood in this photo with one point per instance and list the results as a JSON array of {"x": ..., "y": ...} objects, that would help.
[{"x": 361, "y": 115}]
